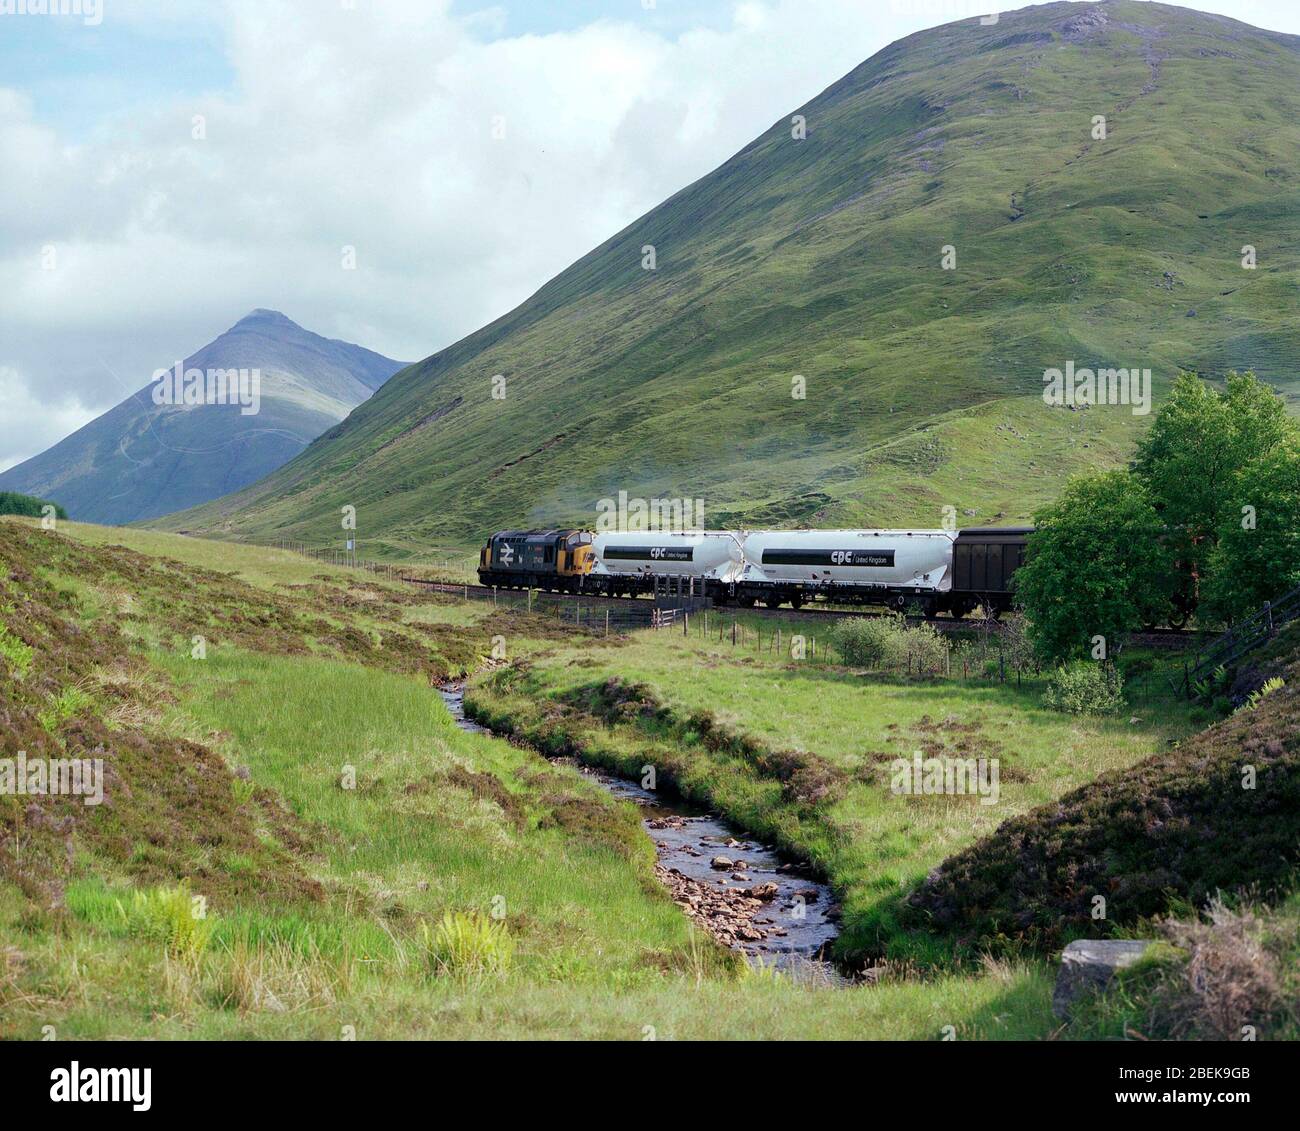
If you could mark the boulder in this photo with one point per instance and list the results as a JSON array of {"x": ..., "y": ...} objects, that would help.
[
  {"x": 1088, "y": 965},
  {"x": 722, "y": 864}
]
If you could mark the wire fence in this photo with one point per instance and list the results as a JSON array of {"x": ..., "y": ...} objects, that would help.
[
  {"x": 448, "y": 567},
  {"x": 985, "y": 656}
]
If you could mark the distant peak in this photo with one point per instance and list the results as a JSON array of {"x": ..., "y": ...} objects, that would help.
[{"x": 264, "y": 317}]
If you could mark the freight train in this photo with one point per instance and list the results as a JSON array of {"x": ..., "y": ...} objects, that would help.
[{"x": 937, "y": 571}]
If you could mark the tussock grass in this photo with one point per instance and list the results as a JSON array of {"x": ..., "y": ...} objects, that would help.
[{"x": 1228, "y": 972}]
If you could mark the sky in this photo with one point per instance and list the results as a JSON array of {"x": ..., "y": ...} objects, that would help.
[{"x": 167, "y": 166}]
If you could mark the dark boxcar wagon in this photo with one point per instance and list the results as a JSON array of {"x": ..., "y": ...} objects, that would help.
[{"x": 983, "y": 562}]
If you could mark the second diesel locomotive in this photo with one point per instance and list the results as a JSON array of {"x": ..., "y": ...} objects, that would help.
[{"x": 935, "y": 570}]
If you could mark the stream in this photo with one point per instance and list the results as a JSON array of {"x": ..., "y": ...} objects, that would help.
[{"x": 773, "y": 911}]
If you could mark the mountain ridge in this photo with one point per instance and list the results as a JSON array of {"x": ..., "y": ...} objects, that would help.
[{"x": 821, "y": 257}]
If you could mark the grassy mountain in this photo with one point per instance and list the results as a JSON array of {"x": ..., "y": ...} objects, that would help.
[
  {"x": 140, "y": 460},
  {"x": 821, "y": 257}
]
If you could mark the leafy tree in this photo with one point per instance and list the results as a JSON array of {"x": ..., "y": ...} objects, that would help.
[
  {"x": 1196, "y": 448},
  {"x": 1257, "y": 556},
  {"x": 1096, "y": 566}
]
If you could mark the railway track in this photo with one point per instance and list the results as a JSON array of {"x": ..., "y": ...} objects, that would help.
[{"x": 1165, "y": 638}]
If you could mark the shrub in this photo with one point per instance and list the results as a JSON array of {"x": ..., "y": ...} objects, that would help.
[
  {"x": 869, "y": 641},
  {"x": 991, "y": 654},
  {"x": 1213, "y": 975},
  {"x": 888, "y": 644},
  {"x": 1016, "y": 643},
  {"x": 1084, "y": 688},
  {"x": 1233, "y": 976}
]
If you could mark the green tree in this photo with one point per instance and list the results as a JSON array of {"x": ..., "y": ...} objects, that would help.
[
  {"x": 1097, "y": 565},
  {"x": 1257, "y": 553},
  {"x": 1196, "y": 448},
  {"x": 13, "y": 503}
]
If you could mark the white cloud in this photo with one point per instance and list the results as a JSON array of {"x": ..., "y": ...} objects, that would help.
[{"x": 32, "y": 422}]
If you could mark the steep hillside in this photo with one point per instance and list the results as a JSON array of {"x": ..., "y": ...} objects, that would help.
[
  {"x": 821, "y": 257},
  {"x": 140, "y": 459}
]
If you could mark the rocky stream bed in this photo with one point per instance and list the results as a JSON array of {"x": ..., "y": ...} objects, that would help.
[{"x": 738, "y": 890}]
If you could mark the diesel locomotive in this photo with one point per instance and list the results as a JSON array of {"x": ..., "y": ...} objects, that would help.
[{"x": 939, "y": 571}]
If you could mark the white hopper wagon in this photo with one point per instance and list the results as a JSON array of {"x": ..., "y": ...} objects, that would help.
[
  {"x": 892, "y": 567},
  {"x": 634, "y": 561}
]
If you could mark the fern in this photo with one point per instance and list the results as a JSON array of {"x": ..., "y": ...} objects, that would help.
[
  {"x": 467, "y": 944},
  {"x": 1257, "y": 696},
  {"x": 18, "y": 653}
]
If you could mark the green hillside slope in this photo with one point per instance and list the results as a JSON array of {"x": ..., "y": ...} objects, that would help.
[
  {"x": 821, "y": 257},
  {"x": 140, "y": 460}
]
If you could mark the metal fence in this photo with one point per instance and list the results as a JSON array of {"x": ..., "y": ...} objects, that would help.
[
  {"x": 448, "y": 565},
  {"x": 1243, "y": 637}
]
